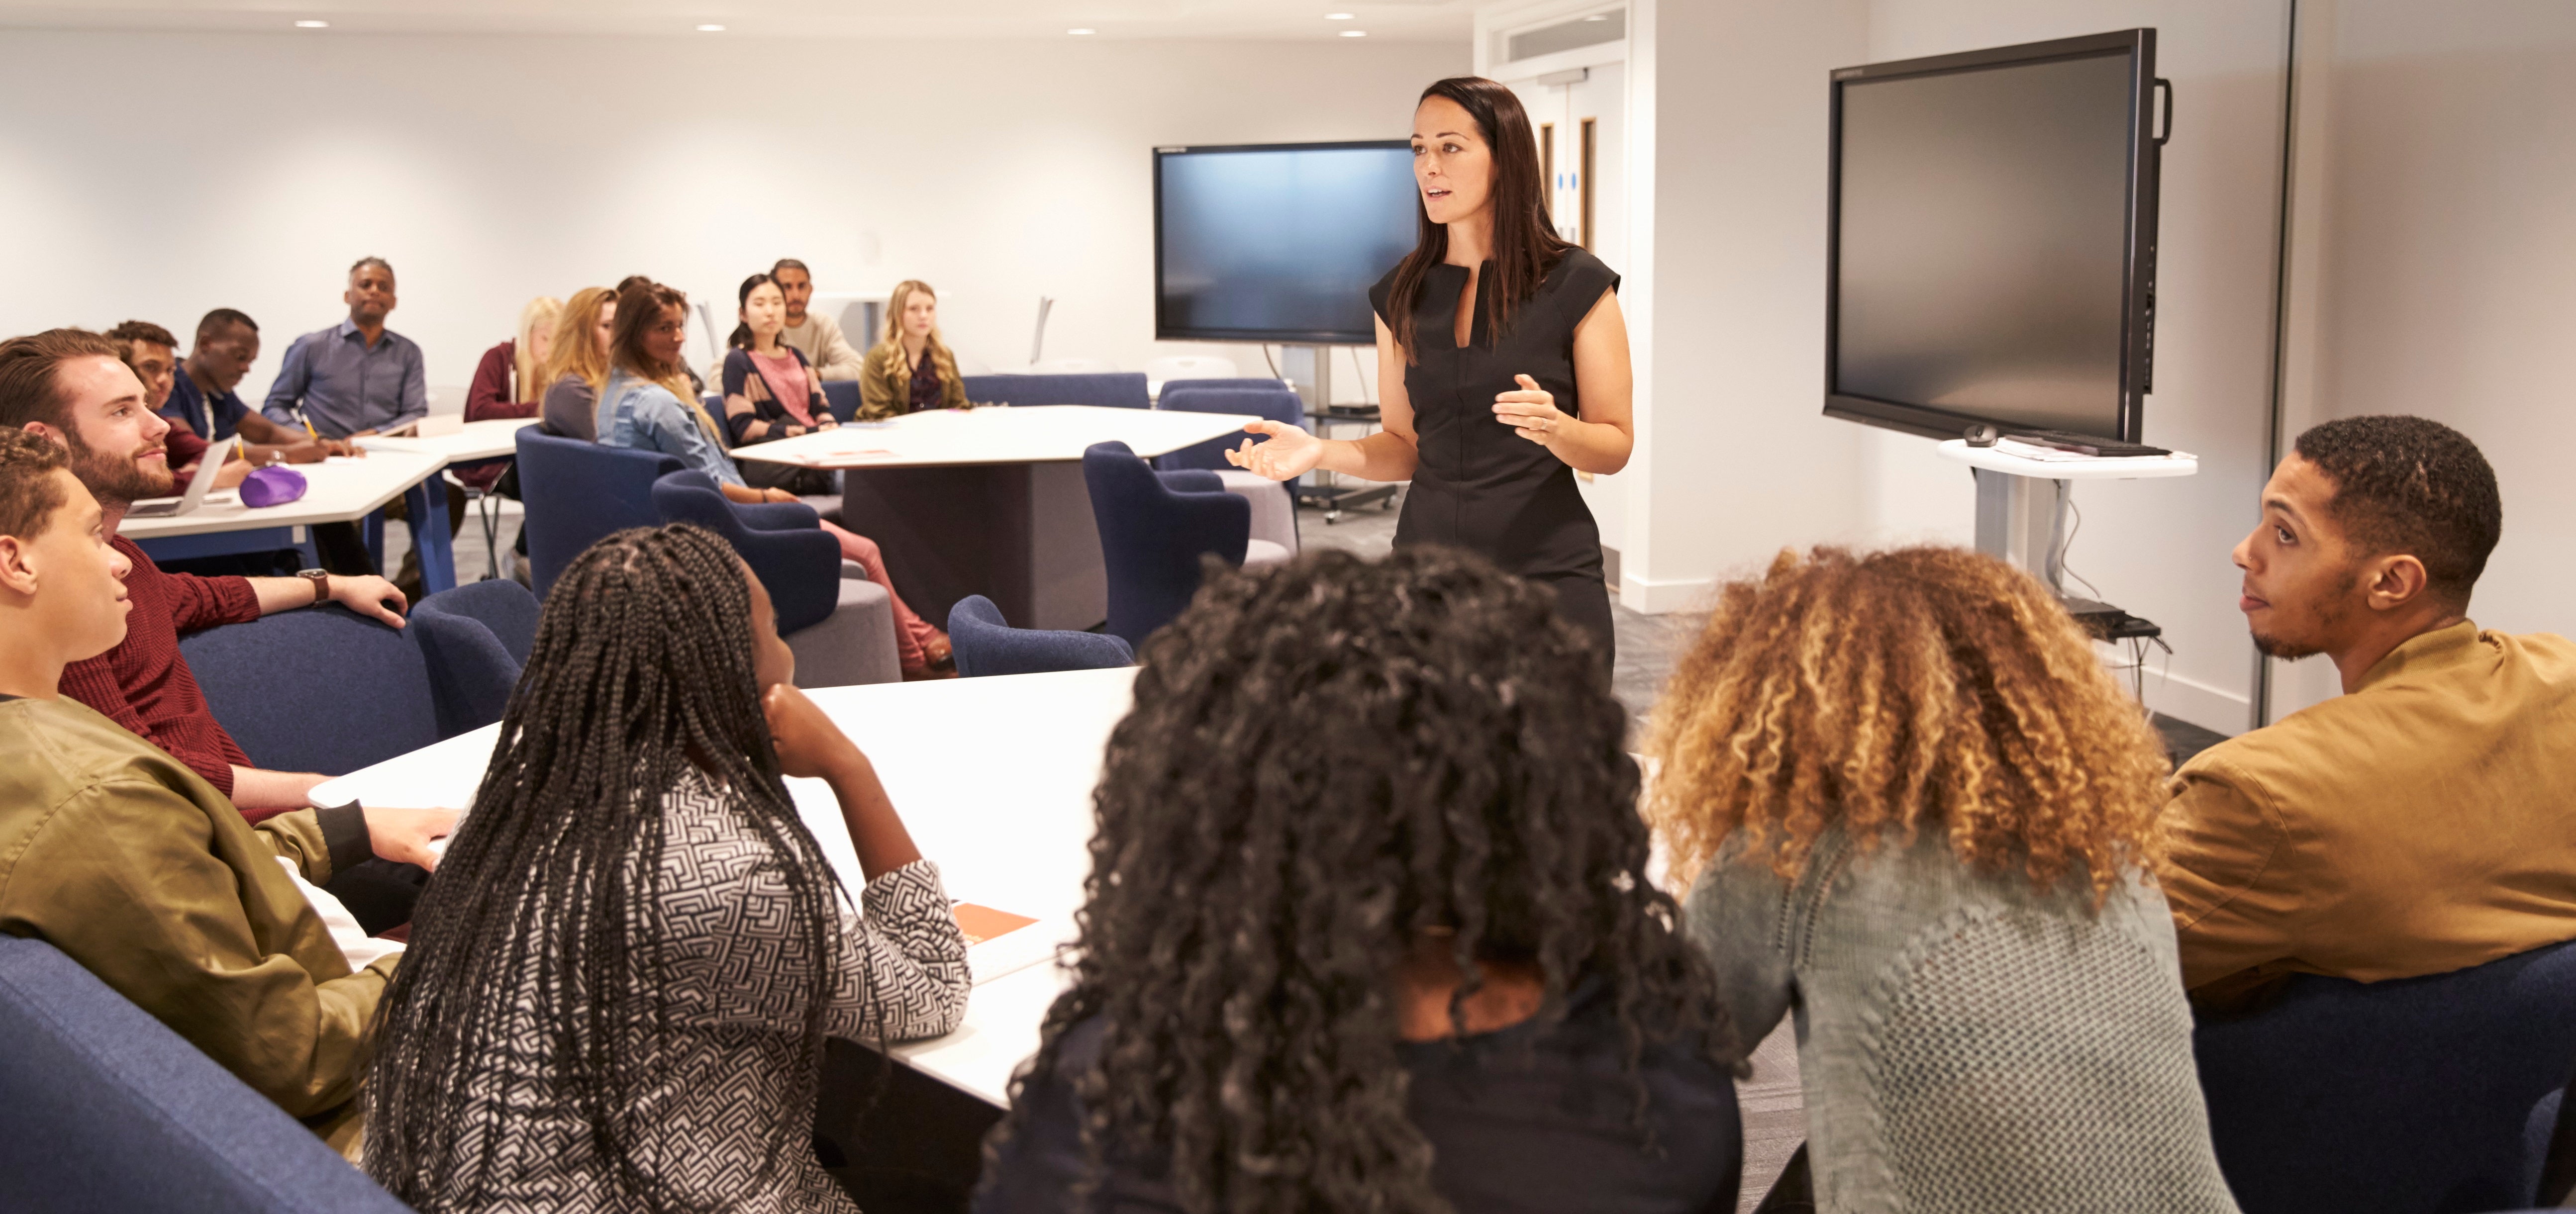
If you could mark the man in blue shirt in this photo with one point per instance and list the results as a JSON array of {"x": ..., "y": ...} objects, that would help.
[
  {"x": 202, "y": 397},
  {"x": 352, "y": 380},
  {"x": 356, "y": 378}
]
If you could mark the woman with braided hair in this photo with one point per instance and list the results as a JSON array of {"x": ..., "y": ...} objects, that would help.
[
  {"x": 1918, "y": 809},
  {"x": 1368, "y": 925},
  {"x": 616, "y": 996}
]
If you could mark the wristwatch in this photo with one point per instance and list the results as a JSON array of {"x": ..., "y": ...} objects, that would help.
[{"x": 321, "y": 579}]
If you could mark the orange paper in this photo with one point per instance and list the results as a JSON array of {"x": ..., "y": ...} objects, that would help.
[{"x": 982, "y": 923}]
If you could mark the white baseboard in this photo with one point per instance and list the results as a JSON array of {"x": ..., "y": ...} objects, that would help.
[
  {"x": 1648, "y": 596},
  {"x": 2211, "y": 708}
]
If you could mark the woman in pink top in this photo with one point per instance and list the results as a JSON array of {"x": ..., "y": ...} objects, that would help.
[{"x": 770, "y": 392}]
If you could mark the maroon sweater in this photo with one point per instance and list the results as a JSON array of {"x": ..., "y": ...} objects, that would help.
[
  {"x": 491, "y": 396},
  {"x": 144, "y": 684}
]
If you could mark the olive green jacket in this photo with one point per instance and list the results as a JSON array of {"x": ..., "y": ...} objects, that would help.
[
  {"x": 120, "y": 856},
  {"x": 885, "y": 382}
]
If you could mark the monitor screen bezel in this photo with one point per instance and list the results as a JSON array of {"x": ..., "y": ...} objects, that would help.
[
  {"x": 1164, "y": 330},
  {"x": 2138, "y": 259}
]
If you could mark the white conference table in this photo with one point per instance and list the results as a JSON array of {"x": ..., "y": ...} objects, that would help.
[
  {"x": 490, "y": 439},
  {"x": 989, "y": 501},
  {"x": 993, "y": 777},
  {"x": 338, "y": 490}
]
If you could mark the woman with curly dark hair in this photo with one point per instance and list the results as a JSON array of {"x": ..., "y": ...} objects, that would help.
[
  {"x": 1369, "y": 926},
  {"x": 1917, "y": 808}
]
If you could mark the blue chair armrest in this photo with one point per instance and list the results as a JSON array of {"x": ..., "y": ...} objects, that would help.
[
  {"x": 841, "y": 396},
  {"x": 777, "y": 516},
  {"x": 1192, "y": 480}
]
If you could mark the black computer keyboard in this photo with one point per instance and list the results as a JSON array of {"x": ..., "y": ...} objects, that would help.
[{"x": 2086, "y": 444}]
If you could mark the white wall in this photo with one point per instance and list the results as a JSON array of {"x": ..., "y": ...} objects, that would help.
[
  {"x": 1727, "y": 297},
  {"x": 159, "y": 175},
  {"x": 2441, "y": 262}
]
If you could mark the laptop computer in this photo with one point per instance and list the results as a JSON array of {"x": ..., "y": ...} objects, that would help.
[{"x": 208, "y": 465}]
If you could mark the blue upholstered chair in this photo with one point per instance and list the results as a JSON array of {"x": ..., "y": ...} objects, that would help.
[
  {"x": 839, "y": 624},
  {"x": 1154, "y": 527},
  {"x": 322, "y": 689},
  {"x": 841, "y": 396},
  {"x": 1115, "y": 390},
  {"x": 102, "y": 1107},
  {"x": 1274, "y": 503},
  {"x": 986, "y": 644},
  {"x": 476, "y": 639},
  {"x": 1238, "y": 381},
  {"x": 2411, "y": 1094},
  {"x": 578, "y": 493}
]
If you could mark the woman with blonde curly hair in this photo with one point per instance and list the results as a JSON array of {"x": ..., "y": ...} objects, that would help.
[{"x": 1912, "y": 805}]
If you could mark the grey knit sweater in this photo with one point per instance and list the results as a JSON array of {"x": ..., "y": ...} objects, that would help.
[{"x": 1967, "y": 1043}]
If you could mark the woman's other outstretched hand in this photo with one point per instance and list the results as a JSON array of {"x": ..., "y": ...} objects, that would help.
[{"x": 1285, "y": 453}]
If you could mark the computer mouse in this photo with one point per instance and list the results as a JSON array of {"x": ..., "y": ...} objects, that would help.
[{"x": 1982, "y": 435}]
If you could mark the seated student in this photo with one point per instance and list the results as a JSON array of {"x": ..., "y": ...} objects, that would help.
[
  {"x": 140, "y": 870},
  {"x": 1370, "y": 925},
  {"x": 1913, "y": 808},
  {"x": 813, "y": 334},
  {"x": 617, "y": 994},
  {"x": 352, "y": 380},
  {"x": 577, "y": 364},
  {"x": 153, "y": 355},
  {"x": 203, "y": 403},
  {"x": 641, "y": 407},
  {"x": 2420, "y": 823},
  {"x": 771, "y": 393},
  {"x": 69, "y": 386},
  {"x": 911, "y": 370},
  {"x": 509, "y": 382}
]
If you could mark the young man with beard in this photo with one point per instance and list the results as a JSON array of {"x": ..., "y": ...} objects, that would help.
[
  {"x": 2421, "y": 822},
  {"x": 72, "y": 386}
]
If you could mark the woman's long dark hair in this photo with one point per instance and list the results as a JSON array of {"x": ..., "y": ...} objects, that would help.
[
  {"x": 640, "y": 302},
  {"x": 1526, "y": 246},
  {"x": 741, "y": 337},
  {"x": 1325, "y": 760},
  {"x": 641, "y": 675}
]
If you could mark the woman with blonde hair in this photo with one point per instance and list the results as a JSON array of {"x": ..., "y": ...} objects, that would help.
[
  {"x": 911, "y": 369},
  {"x": 577, "y": 365},
  {"x": 1912, "y": 805},
  {"x": 509, "y": 382}
]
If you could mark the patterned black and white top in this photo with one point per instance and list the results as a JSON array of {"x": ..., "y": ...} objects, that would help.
[{"x": 737, "y": 1011}]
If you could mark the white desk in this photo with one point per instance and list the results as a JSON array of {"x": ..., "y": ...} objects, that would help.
[
  {"x": 478, "y": 440},
  {"x": 338, "y": 490},
  {"x": 993, "y": 776},
  {"x": 989, "y": 501}
]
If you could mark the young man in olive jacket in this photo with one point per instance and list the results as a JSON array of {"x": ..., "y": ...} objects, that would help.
[{"x": 134, "y": 866}]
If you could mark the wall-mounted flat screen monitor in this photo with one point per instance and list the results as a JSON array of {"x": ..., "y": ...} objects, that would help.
[
  {"x": 1278, "y": 242},
  {"x": 1992, "y": 240}
]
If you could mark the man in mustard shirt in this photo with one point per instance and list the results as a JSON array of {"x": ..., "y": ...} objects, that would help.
[
  {"x": 2425, "y": 820},
  {"x": 134, "y": 866}
]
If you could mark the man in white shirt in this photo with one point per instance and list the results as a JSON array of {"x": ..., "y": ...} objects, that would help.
[{"x": 818, "y": 336}]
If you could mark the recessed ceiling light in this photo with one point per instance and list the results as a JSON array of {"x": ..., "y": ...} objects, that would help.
[
  {"x": 1339, "y": 16},
  {"x": 1598, "y": 17},
  {"x": 1355, "y": 33},
  {"x": 1080, "y": 32},
  {"x": 313, "y": 25},
  {"x": 710, "y": 29}
]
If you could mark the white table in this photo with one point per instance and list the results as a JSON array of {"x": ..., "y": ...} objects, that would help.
[
  {"x": 989, "y": 501},
  {"x": 2017, "y": 519},
  {"x": 993, "y": 776},
  {"x": 338, "y": 490},
  {"x": 491, "y": 439}
]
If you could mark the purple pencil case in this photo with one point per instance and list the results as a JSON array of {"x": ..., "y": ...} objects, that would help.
[{"x": 272, "y": 487}]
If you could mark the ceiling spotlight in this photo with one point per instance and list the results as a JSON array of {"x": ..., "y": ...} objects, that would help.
[
  {"x": 1598, "y": 17},
  {"x": 1080, "y": 32},
  {"x": 710, "y": 29},
  {"x": 313, "y": 25},
  {"x": 1355, "y": 33},
  {"x": 1339, "y": 16}
]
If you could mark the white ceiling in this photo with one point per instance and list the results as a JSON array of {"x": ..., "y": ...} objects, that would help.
[{"x": 1408, "y": 20}]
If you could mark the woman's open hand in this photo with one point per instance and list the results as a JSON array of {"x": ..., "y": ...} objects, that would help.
[
  {"x": 1285, "y": 452},
  {"x": 1531, "y": 412}
]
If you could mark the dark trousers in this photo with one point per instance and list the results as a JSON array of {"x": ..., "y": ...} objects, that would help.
[{"x": 343, "y": 546}]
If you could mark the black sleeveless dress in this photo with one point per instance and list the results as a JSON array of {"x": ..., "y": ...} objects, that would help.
[{"x": 1479, "y": 485}]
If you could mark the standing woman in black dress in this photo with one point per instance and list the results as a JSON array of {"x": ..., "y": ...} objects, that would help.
[{"x": 1502, "y": 364}]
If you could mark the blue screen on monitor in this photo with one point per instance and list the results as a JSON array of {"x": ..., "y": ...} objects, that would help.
[{"x": 1278, "y": 243}]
